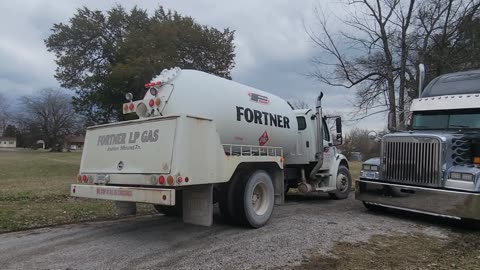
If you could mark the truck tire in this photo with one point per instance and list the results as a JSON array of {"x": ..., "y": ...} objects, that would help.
[
  {"x": 344, "y": 184},
  {"x": 254, "y": 199},
  {"x": 172, "y": 211},
  {"x": 227, "y": 197}
]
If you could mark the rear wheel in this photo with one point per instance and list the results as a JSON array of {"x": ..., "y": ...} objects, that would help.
[
  {"x": 172, "y": 211},
  {"x": 344, "y": 184},
  {"x": 254, "y": 199}
]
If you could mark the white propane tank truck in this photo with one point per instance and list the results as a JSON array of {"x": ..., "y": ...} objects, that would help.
[{"x": 201, "y": 139}]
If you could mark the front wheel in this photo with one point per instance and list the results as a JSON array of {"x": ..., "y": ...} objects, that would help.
[{"x": 344, "y": 184}]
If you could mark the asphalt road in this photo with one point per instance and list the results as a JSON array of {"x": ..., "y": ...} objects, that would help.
[{"x": 298, "y": 229}]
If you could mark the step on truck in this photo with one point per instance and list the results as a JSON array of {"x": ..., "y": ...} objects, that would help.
[
  {"x": 433, "y": 167},
  {"x": 200, "y": 139}
]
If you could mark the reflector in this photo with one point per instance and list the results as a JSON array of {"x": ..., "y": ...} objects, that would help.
[{"x": 170, "y": 180}]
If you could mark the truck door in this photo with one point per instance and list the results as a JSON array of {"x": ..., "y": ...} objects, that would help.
[
  {"x": 302, "y": 139},
  {"x": 327, "y": 146}
]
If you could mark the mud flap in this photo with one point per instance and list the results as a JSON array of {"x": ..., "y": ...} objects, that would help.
[{"x": 198, "y": 205}]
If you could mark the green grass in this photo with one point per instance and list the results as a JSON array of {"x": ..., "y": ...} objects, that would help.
[{"x": 34, "y": 191}]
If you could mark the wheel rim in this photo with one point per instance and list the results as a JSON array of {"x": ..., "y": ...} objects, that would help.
[
  {"x": 342, "y": 182},
  {"x": 260, "y": 199}
]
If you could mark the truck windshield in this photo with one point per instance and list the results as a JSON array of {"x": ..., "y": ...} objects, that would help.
[{"x": 455, "y": 119}]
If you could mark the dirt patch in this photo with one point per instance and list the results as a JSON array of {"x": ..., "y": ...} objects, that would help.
[{"x": 459, "y": 251}]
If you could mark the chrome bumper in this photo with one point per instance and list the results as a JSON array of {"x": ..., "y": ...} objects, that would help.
[
  {"x": 124, "y": 194},
  {"x": 438, "y": 202}
]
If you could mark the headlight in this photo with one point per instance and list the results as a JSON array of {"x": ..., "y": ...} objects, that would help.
[
  {"x": 366, "y": 167},
  {"x": 462, "y": 176}
]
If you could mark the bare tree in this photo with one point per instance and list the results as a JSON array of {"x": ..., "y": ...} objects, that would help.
[
  {"x": 386, "y": 40},
  {"x": 4, "y": 112},
  {"x": 51, "y": 112},
  {"x": 299, "y": 104}
]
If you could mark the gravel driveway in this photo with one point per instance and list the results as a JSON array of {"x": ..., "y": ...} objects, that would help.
[{"x": 303, "y": 226}]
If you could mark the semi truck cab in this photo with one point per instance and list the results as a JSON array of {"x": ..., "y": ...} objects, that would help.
[{"x": 434, "y": 166}]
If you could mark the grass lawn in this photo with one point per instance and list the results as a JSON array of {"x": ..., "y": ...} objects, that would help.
[{"x": 34, "y": 191}]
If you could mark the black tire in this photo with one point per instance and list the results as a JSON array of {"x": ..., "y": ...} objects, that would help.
[
  {"x": 344, "y": 185},
  {"x": 172, "y": 211},
  {"x": 227, "y": 197},
  {"x": 254, "y": 199},
  {"x": 372, "y": 207}
]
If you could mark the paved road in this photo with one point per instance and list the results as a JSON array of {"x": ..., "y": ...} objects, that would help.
[{"x": 299, "y": 228}]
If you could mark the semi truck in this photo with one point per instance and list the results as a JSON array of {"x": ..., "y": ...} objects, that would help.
[
  {"x": 433, "y": 167},
  {"x": 200, "y": 140}
]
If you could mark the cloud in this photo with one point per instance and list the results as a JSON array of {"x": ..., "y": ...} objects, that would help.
[{"x": 272, "y": 48}]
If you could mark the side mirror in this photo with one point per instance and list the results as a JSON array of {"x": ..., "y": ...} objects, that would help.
[
  {"x": 372, "y": 135},
  {"x": 338, "y": 125},
  {"x": 392, "y": 121}
]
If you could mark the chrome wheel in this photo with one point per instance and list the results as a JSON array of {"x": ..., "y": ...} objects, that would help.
[
  {"x": 342, "y": 182},
  {"x": 260, "y": 203}
]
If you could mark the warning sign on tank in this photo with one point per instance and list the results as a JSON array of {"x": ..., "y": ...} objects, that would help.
[{"x": 263, "y": 139}]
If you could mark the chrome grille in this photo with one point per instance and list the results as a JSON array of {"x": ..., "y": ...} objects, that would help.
[{"x": 412, "y": 160}]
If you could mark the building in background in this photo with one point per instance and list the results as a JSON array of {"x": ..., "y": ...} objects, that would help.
[
  {"x": 74, "y": 142},
  {"x": 8, "y": 142}
]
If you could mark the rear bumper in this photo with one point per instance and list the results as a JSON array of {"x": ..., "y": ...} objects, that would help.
[
  {"x": 124, "y": 194},
  {"x": 438, "y": 202}
]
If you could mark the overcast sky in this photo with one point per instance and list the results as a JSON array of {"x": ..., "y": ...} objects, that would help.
[{"x": 272, "y": 48}]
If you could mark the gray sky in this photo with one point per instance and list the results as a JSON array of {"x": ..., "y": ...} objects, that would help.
[{"x": 273, "y": 50}]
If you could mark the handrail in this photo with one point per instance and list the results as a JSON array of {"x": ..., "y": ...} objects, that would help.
[{"x": 252, "y": 150}]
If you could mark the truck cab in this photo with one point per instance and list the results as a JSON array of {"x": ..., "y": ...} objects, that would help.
[
  {"x": 333, "y": 175},
  {"x": 433, "y": 167}
]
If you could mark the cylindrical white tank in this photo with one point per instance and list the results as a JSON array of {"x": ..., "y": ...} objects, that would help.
[{"x": 243, "y": 115}]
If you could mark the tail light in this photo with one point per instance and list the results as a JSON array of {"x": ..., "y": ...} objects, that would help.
[
  {"x": 152, "y": 84},
  {"x": 187, "y": 179},
  {"x": 125, "y": 107},
  {"x": 84, "y": 179},
  {"x": 157, "y": 101},
  {"x": 132, "y": 106},
  {"x": 161, "y": 180},
  {"x": 179, "y": 179},
  {"x": 151, "y": 102},
  {"x": 146, "y": 85},
  {"x": 79, "y": 178}
]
